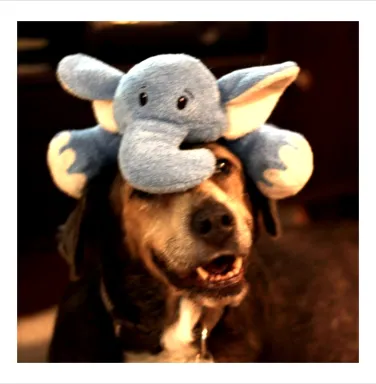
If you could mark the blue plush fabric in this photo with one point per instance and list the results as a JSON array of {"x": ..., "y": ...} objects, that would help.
[
  {"x": 167, "y": 168},
  {"x": 152, "y": 133},
  {"x": 279, "y": 161},
  {"x": 149, "y": 155},
  {"x": 163, "y": 102},
  {"x": 237, "y": 82},
  {"x": 94, "y": 148},
  {"x": 87, "y": 77},
  {"x": 165, "y": 79},
  {"x": 259, "y": 150}
]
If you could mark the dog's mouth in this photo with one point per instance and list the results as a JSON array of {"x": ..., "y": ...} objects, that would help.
[
  {"x": 223, "y": 274},
  {"x": 222, "y": 271}
]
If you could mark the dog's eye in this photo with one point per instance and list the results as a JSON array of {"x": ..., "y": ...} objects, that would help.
[
  {"x": 143, "y": 99},
  {"x": 141, "y": 194},
  {"x": 223, "y": 166}
]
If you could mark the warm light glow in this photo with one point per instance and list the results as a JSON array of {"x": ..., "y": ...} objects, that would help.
[
  {"x": 107, "y": 24},
  {"x": 124, "y": 22},
  {"x": 31, "y": 44}
]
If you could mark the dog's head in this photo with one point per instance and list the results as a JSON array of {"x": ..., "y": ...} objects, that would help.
[{"x": 198, "y": 242}]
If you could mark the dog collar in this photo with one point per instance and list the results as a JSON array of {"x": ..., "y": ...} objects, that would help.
[
  {"x": 118, "y": 323},
  {"x": 208, "y": 320}
]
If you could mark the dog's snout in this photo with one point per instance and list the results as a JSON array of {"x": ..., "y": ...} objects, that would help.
[{"x": 212, "y": 222}]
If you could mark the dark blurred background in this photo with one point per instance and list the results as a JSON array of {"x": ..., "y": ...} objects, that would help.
[{"x": 322, "y": 105}]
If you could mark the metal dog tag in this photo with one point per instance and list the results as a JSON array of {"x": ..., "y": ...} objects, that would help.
[{"x": 204, "y": 356}]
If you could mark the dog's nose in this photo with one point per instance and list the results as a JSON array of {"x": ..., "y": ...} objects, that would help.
[{"x": 213, "y": 222}]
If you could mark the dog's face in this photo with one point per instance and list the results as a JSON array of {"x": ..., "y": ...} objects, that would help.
[{"x": 198, "y": 242}]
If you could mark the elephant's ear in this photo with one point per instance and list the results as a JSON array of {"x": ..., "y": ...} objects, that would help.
[
  {"x": 88, "y": 78},
  {"x": 250, "y": 95},
  {"x": 104, "y": 114}
]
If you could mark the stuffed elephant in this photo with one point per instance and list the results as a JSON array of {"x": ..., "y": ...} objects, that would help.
[{"x": 146, "y": 114}]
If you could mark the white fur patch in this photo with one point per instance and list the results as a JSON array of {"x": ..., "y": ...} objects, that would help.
[
  {"x": 176, "y": 339},
  {"x": 179, "y": 335}
]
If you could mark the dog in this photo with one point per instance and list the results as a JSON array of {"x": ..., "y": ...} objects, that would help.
[{"x": 192, "y": 277}]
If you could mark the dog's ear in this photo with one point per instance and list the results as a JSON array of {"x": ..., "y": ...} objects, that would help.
[
  {"x": 70, "y": 238},
  {"x": 265, "y": 211},
  {"x": 80, "y": 237},
  {"x": 268, "y": 214}
]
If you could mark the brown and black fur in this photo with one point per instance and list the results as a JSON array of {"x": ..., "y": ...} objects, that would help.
[{"x": 301, "y": 306}]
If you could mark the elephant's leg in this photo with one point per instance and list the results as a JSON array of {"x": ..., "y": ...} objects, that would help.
[
  {"x": 75, "y": 157},
  {"x": 279, "y": 161},
  {"x": 153, "y": 162}
]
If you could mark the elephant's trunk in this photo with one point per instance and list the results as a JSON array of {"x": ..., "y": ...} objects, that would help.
[{"x": 150, "y": 158}]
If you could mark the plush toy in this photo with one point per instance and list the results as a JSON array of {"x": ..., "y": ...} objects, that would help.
[{"x": 145, "y": 115}]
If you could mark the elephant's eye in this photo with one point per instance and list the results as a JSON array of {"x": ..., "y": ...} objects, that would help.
[
  {"x": 182, "y": 102},
  {"x": 143, "y": 98}
]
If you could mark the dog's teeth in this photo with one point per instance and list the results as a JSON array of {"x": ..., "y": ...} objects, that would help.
[
  {"x": 238, "y": 264},
  {"x": 202, "y": 273},
  {"x": 205, "y": 275}
]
